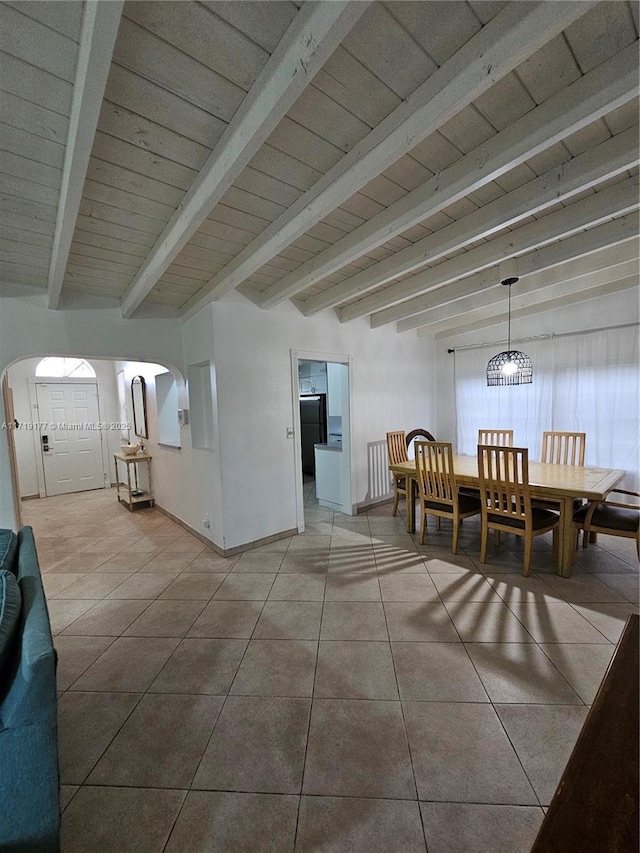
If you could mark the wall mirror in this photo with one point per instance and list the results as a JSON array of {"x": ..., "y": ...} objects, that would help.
[{"x": 139, "y": 400}]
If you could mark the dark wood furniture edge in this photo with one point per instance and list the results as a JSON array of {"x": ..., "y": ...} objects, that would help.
[{"x": 596, "y": 805}]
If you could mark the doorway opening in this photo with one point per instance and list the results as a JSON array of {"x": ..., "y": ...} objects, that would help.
[{"x": 320, "y": 385}]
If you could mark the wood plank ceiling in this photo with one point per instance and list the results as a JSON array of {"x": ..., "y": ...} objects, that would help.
[{"x": 374, "y": 159}]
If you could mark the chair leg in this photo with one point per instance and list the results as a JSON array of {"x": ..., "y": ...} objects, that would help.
[
  {"x": 528, "y": 541},
  {"x": 484, "y": 535},
  {"x": 396, "y": 496},
  {"x": 456, "y": 533},
  {"x": 423, "y": 524}
]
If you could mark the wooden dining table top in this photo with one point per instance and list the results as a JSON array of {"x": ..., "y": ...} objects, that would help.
[{"x": 551, "y": 480}]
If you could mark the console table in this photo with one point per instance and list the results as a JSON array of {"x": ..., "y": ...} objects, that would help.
[{"x": 128, "y": 489}]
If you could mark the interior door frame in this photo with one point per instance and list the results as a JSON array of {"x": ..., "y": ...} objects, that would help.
[
  {"x": 35, "y": 434},
  {"x": 335, "y": 358}
]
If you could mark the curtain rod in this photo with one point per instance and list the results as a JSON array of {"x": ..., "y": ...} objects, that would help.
[{"x": 543, "y": 337}]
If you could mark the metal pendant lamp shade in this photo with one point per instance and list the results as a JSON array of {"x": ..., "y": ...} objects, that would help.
[{"x": 510, "y": 367}]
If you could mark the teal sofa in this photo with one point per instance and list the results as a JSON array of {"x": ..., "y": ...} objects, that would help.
[{"x": 29, "y": 778}]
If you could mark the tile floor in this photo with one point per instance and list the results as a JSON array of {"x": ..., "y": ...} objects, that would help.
[{"x": 344, "y": 690}]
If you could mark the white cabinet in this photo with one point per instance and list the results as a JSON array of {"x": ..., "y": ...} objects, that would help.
[{"x": 329, "y": 461}]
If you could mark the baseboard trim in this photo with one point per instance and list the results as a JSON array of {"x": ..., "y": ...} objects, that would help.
[
  {"x": 226, "y": 552},
  {"x": 360, "y": 508},
  {"x": 29, "y": 497}
]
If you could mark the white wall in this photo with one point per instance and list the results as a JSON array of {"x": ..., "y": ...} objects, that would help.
[
  {"x": 615, "y": 309},
  {"x": 26, "y": 440},
  {"x": 392, "y": 387},
  {"x": 28, "y": 329}
]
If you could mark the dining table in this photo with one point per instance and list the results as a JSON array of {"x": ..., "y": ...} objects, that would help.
[{"x": 556, "y": 484}]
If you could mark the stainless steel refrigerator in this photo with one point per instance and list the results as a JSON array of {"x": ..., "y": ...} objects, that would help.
[{"x": 313, "y": 428}]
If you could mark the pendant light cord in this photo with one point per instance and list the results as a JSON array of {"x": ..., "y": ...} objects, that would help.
[{"x": 509, "y": 326}]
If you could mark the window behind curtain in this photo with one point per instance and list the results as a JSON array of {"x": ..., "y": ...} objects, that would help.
[{"x": 581, "y": 383}]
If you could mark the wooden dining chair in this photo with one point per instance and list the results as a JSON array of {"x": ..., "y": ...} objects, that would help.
[
  {"x": 506, "y": 499},
  {"x": 496, "y": 437},
  {"x": 614, "y": 518},
  {"x": 438, "y": 493},
  {"x": 563, "y": 448},
  {"x": 397, "y": 450}
]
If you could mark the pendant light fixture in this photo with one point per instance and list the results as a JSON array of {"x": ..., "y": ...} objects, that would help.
[{"x": 510, "y": 367}]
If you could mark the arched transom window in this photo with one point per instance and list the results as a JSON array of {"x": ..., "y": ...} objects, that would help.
[{"x": 63, "y": 368}]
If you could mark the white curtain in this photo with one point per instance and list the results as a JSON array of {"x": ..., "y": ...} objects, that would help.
[{"x": 581, "y": 383}]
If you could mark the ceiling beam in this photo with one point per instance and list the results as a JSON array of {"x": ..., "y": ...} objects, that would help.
[
  {"x": 599, "y": 207},
  {"x": 500, "y": 46},
  {"x": 584, "y": 101},
  {"x": 566, "y": 113},
  {"x": 312, "y": 37},
  {"x": 100, "y": 24},
  {"x": 610, "y": 264},
  {"x": 581, "y": 245},
  {"x": 548, "y": 300}
]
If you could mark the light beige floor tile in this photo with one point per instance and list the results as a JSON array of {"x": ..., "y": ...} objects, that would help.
[
  {"x": 169, "y": 618},
  {"x": 94, "y": 585},
  {"x": 556, "y": 622},
  {"x": 237, "y": 822},
  {"x": 129, "y": 665},
  {"x": 355, "y": 670},
  {"x": 129, "y": 560},
  {"x": 167, "y": 563},
  {"x": 200, "y": 666},
  {"x": 120, "y": 820},
  {"x": 55, "y": 583},
  {"x": 276, "y": 668},
  {"x": 63, "y": 613},
  {"x": 352, "y": 586},
  {"x": 259, "y": 561},
  {"x": 289, "y": 620},
  {"x": 257, "y": 745},
  {"x": 198, "y": 586},
  {"x": 227, "y": 619},
  {"x": 394, "y": 543},
  {"x": 408, "y": 588},
  {"x": 460, "y": 753},
  {"x": 584, "y": 588},
  {"x": 67, "y": 793},
  {"x": 245, "y": 587},
  {"x": 462, "y": 827},
  {"x": 186, "y": 544},
  {"x": 441, "y": 562},
  {"x": 353, "y": 620},
  {"x": 87, "y": 724},
  {"x": 309, "y": 542},
  {"x": 341, "y": 824},
  {"x": 305, "y": 562},
  {"x": 624, "y": 584},
  {"x": 106, "y": 618},
  {"x": 543, "y": 737},
  {"x": 209, "y": 561},
  {"x": 595, "y": 559},
  {"x": 75, "y": 655},
  {"x": 421, "y": 622},
  {"x": 292, "y": 587},
  {"x": 514, "y": 588},
  {"x": 520, "y": 672},
  {"x": 464, "y": 586},
  {"x": 436, "y": 672},
  {"x": 142, "y": 585},
  {"x": 358, "y": 748},
  {"x": 609, "y": 619},
  {"x": 583, "y": 665},
  {"x": 486, "y": 623},
  {"x": 161, "y": 743},
  {"x": 79, "y": 563}
]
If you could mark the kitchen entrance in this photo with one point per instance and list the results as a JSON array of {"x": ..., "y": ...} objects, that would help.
[{"x": 323, "y": 459}]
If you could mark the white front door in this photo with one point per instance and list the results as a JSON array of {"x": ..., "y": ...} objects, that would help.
[{"x": 71, "y": 449}]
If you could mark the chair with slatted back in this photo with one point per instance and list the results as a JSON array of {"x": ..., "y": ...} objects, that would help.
[
  {"x": 506, "y": 499},
  {"x": 496, "y": 437},
  {"x": 397, "y": 450},
  {"x": 563, "y": 448},
  {"x": 438, "y": 493},
  {"x": 614, "y": 518}
]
